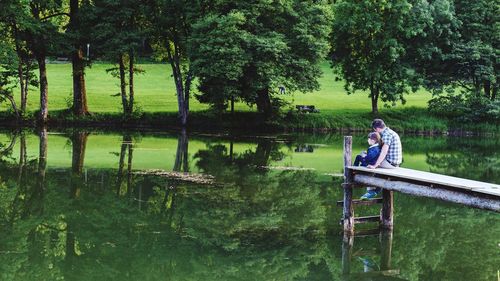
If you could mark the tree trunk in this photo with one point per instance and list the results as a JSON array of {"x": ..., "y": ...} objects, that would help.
[
  {"x": 129, "y": 167},
  {"x": 44, "y": 89},
  {"x": 20, "y": 70},
  {"x": 123, "y": 84},
  {"x": 22, "y": 158},
  {"x": 263, "y": 153},
  {"x": 232, "y": 105},
  {"x": 14, "y": 107},
  {"x": 375, "y": 105},
  {"x": 181, "y": 157},
  {"x": 187, "y": 89},
  {"x": 264, "y": 102},
  {"x": 79, "y": 143},
  {"x": 374, "y": 95},
  {"x": 487, "y": 89},
  {"x": 20, "y": 74},
  {"x": 42, "y": 159},
  {"x": 27, "y": 77},
  {"x": 121, "y": 164},
  {"x": 80, "y": 107},
  {"x": 494, "y": 93},
  {"x": 22, "y": 87},
  {"x": 182, "y": 87},
  {"x": 131, "y": 83},
  {"x": 182, "y": 107},
  {"x": 79, "y": 92}
]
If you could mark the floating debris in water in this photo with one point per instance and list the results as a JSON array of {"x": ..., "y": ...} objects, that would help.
[
  {"x": 338, "y": 175},
  {"x": 181, "y": 176},
  {"x": 282, "y": 168}
]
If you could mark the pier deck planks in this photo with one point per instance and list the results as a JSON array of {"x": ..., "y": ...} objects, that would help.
[{"x": 432, "y": 178}]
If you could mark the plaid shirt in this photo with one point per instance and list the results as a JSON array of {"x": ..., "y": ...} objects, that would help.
[{"x": 395, "y": 153}]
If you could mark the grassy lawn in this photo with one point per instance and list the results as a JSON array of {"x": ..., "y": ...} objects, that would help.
[
  {"x": 155, "y": 95},
  {"x": 155, "y": 92}
]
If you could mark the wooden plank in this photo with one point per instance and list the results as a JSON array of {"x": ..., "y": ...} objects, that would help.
[
  {"x": 426, "y": 191},
  {"x": 366, "y": 219},
  {"x": 362, "y": 202},
  {"x": 367, "y": 232},
  {"x": 373, "y": 274},
  {"x": 432, "y": 178}
]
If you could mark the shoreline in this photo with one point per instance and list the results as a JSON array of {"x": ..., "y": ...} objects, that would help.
[{"x": 205, "y": 121}]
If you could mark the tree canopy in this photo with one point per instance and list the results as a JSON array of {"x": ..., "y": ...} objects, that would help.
[{"x": 248, "y": 51}]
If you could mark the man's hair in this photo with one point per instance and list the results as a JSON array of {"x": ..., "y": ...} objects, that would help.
[{"x": 378, "y": 124}]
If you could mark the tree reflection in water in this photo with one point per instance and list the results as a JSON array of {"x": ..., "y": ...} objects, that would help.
[
  {"x": 253, "y": 224},
  {"x": 470, "y": 158}
]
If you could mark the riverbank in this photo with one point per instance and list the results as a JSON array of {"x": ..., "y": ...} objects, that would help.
[{"x": 405, "y": 120}]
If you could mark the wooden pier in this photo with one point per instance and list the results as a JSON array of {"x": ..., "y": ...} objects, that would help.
[{"x": 418, "y": 183}]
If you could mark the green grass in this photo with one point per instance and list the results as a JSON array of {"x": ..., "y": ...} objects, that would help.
[
  {"x": 155, "y": 92},
  {"x": 155, "y": 96}
]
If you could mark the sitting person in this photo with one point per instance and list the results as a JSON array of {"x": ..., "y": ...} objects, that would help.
[
  {"x": 370, "y": 157},
  {"x": 391, "y": 154}
]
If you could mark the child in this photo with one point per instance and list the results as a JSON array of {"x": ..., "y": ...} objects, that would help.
[{"x": 370, "y": 157}]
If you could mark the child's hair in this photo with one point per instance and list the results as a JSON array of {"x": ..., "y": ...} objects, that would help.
[{"x": 376, "y": 137}]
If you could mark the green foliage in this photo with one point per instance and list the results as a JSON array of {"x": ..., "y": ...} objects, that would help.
[
  {"x": 465, "y": 108},
  {"x": 468, "y": 57},
  {"x": 117, "y": 27},
  {"x": 370, "y": 42},
  {"x": 7, "y": 74},
  {"x": 247, "y": 51}
]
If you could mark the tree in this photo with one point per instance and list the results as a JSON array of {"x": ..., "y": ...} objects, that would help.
[
  {"x": 249, "y": 50},
  {"x": 369, "y": 46},
  {"x": 465, "y": 51},
  {"x": 77, "y": 38},
  {"x": 476, "y": 54},
  {"x": 7, "y": 59},
  {"x": 42, "y": 35},
  {"x": 119, "y": 26},
  {"x": 19, "y": 67},
  {"x": 459, "y": 60},
  {"x": 172, "y": 26}
]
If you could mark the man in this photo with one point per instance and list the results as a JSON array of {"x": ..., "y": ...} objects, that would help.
[{"x": 391, "y": 154}]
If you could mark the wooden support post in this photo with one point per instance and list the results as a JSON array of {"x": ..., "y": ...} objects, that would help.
[
  {"x": 347, "y": 243},
  {"x": 348, "y": 214},
  {"x": 387, "y": 214},
  {"x": 385, "y": 249}
]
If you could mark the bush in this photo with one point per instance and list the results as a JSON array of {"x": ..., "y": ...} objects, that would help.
[{"x": 465, "y": 108}]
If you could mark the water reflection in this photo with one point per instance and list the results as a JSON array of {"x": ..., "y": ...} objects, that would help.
[
  {"x": 91, "y": 206},
  {"x": 304, "y": 148},
  {"x": 377, "y": 265}
]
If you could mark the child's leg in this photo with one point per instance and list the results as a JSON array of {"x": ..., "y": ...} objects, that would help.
[{"x": 358, "y": 160}]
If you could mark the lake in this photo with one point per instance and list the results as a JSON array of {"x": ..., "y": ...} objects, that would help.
[{"x": 82, "y": 205}]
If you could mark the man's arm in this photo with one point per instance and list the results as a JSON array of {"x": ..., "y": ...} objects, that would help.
[{"x": 383, "y": 153}]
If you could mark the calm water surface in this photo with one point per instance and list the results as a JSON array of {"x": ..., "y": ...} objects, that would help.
[{"x": 172, "y": 206}]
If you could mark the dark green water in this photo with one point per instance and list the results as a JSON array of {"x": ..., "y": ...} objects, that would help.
[{"x": 95, "y": 206}]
